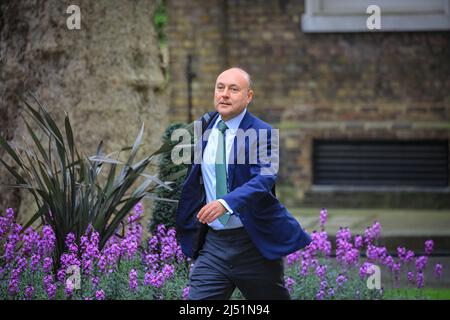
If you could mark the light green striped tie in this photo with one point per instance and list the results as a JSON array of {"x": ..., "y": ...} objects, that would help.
[{"x": 221, "y": 171}]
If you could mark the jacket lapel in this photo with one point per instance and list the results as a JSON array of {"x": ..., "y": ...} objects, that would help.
[{"x": 196, "y": 166}]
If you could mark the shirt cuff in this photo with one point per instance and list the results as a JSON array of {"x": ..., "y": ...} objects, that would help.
[{"x": 225, "y": 204}]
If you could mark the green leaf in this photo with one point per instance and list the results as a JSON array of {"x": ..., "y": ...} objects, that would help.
[
  {"x": 69, "y": 135},
  {"x": 5, "y": 145}
]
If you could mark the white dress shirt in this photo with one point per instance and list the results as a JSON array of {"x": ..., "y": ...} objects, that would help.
[{"x": 209, "y": 168}]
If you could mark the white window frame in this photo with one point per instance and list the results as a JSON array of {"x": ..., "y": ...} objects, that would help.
[{"x": 397, "y": 17}]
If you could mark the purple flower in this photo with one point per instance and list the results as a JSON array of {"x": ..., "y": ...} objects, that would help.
[
  {"x": 70, "y": 239},
  {"x": 419, "y": 280},
  {"x": 429, "y": 247},
  {"x": 47, "y": 266},
  {"x": 293, "y": 258},
  {"x": 396, "y": 267},
  {"x": 421, "y": 263},
  {"x": 13, "y": 286},
  {"x": 51, "y": 291},
  {"x": 410, "y": 276},
  {"x": 6, "y": 222},
  {"x": 438, "y": 270},
  {"x": 289, "y": 284},
  {"x": 396, "y": 270},
  {"x": 100, "y": 295},
  {"x": 185, "y": 294},
  {"x": 323, "y": 218},
  {"x": 321, "y": 271},
  {"x": 110, "y": 256},
  {"x": 130, "y": 245},
  {"x": 152, "y": 260},
  {"x": 49, "y": 286},
  {"x": 351, "y": 257},
  {"x": 409, "y": 256},
  {"x": 69, "y": 289},
  {"x": 319, "y": 243},
  {"x": 168, "y": 271},
  {"x": 340, "y": 280},
  {"x": 305, "y": 263},
  {"x": 366, "y": 269},
  {"x": 34, "y": 262},
  {"x": 388, "y": 261},
  {"x": 401, "y": 253},
  {"x": 323, "y": 285},
  {"x": 12, "y": 241},
  {"x": 344, "y": 234},
  {"x": 89, "y": 248},
  {"x": 372, "y": 252},
  {"x": 133, "y": 280},
  {"x": 29, "y": 291},
  {"x": 320, "y": 295},
  {"x": 47, "y": 243},
  {"x": 73, "y": 248},
  {"x": 95, "y": 281},
  {"x": 153, "y": 243},
  {"x": 139, "y": 208},
  {"x": 61, "y": 274},
  {"x": 372, "y": 233},
  {"x": 154, "y": 279},
  {"x": 161, "y": 231},
  {"x": 88, "y": 266},
  {"x": 30, "y": 241},
  {"x": 331, "y": 292},
  {"x": 359, "y": 242},
  {"x": 69, "y": 260},
  {"x": 21, "y": 263}
]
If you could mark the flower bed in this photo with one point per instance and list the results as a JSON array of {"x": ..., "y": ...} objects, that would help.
[{"x": 130, "y": 267}]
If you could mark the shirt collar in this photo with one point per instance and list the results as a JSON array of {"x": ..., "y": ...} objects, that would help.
[{"x": 233, "y": 123}]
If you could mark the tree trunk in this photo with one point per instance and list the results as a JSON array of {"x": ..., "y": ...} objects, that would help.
[{"x": 107, "y": 75}]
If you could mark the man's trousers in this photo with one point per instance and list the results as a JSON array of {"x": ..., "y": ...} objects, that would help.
[{"x": 229, "y": 259}]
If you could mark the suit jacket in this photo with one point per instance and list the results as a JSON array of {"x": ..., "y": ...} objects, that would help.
[{"x": 271, "y": 227}]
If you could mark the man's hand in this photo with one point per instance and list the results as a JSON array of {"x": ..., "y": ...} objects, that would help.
[{"x": 211, "y": 211}]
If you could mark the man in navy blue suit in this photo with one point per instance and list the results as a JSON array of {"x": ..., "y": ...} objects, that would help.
[{"x": 229, "y": 220}]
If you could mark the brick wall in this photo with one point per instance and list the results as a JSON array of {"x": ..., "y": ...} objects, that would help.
[{"x": 341, "y": 85}]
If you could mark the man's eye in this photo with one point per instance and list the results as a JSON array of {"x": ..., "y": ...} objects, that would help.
[{"x": 234, "y": 89}]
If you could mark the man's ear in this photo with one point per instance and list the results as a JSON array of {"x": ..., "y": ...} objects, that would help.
[{"x": 250, "y": 96}]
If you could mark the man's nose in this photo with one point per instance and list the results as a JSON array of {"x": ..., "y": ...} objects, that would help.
[{"x": 226, "y": 92}]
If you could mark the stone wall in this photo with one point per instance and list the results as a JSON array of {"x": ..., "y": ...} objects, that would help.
[
  {"x": 324, "y": 85},
  {"x": 108, "y": 76}
]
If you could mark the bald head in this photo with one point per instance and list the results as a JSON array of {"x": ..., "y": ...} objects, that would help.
[
  {"x": 243, "y": 73},
  {"x": 232, "y": 93}
]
